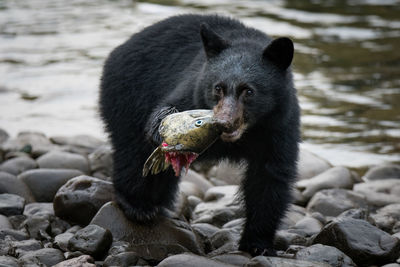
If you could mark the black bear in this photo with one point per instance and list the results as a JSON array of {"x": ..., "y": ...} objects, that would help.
[{"x": 205, "y": 62}]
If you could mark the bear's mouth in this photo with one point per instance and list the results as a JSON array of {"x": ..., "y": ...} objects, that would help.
[
  {"x": 234, "y": 135},
  {"x": 178, "y": 160}
]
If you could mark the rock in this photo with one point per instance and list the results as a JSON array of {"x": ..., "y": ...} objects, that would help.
[
  {"x": 11, "y": 204},
  {"x": 193, "y": 201},
  {"x": 336, "y": 177},
  {"x": 17, "y": 220},
  {"x": 64, "y": 160},
  {"x": 38, "y": 227},
  {"x": 47, "y": 256},
  {"x": 92, "y": 240},
  {"x": 325, "y": 254},
  {"x": 380, "y": 193},
  {"x": 223, "y": 237},
  {"x": 81, "y": 197},
  {"x": 388, "y": 171},
  {"x": 202, "y": 183},
  {"x": 332, "y": 202},
  {"x": 14, "y": 234},
  {"x": 237, "y": 223},
  {"x": 220, "y": 207},
  {"x": 44, "y": 183},
  {"x": 121, "y": 259},
  {"x": 363, "y": 242},
  {"x": 261, "y": 261},
  {"x": 10, "y": 184},
  {"x": 7, "y": 261},
  {"x": 57, "y": 225},
  {"x": 43, "y": 208},
  {"x": 284, "y": 238},
  {"x": 391, "y": 265},
  {"x": 3, "y": 136},
  {"x": 155, "y": 240},
  {"x": 5, "y": 223},
  {"x": 61, "y": 241},
  {"x": 204, "y": 231},
  {"x": 354, "y": 214},
  {"x": 232, "y": 258},
  {"x": 81, "y": 261},
  {"x": 20, "y": 248},
  {"x": 101, "y": 161},
  {"x": 31, "y": 142},
  {"x": 191, "y": 260},
  {"x": 387, "y": 217},
  {"x": 307, "y": 227},
  {"x": 190, "y": 189},
  {"x": 293, "y": 215},
  {"x": 85, "y": 143},
  {"x": 18, "y": 165},
  {"x": 231, "y": 174},
  {"x": 311, "y": 165}
]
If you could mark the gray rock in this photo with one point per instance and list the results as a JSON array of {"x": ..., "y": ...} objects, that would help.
[
  {"x": 229, "y": 173},
  {"x": 284, "y": 239},
  {"x": 332, "y": 202},
  {"x": 190, "y": 189},
  {"x": 363, "y": 242},
  {"x": 391, "y": 265},
  {"x": 381, "y": 172},
  {"x": 307, "y": 227},
  {"x": 311, "y": 165},
  {"x": 17, "y": 220},
  {"x": 47, "y": 256},
  {"x": 92, "y": 240},
  {"x": 336, "y": 177},
  {"x": 57, "y": 225},
  {"x": 10, "y": 184},
  {"x": 202, "y": 183},
  {"x": 236, "y": 223},
  {"x": 293, "y": 215},
  {"x": 121, "y": 259},
  {"x": 14, "y": 234},
  {"x": 223, "y": 237},
  {"x": 44, "y": 183},
  {"x": 387, "y": 217},
  {"x": 61, "y": 241},
  {"x": 193, "y": 201},
  {"x": 354, "y": 214},
  {"x": 7, "y": 261},
  {"x": 20, "y": 248},
  {"x": 64, "y": 160},
  {"x": 166, "y": 234},
  {"x": 118, "y": 247},
  {"x": 84, "y": 143},
  {"x": 325, "y": 254},
  {"x": 380, "y": 193},
  {"x": 3, "y": 136},
  {"x": 39, "y": 208},
  {"x": 38, "y": 227},
  {"x": 204, "y": 231},
  {"x": 101, "y": 161},
  {"x": 191, "y": 260},
  {"x": 11, "y": 204},
  {"x": 34, "y": 142},
  {"x": 81, "y": 197},
  {"x": 236, "y": 259},
  {"x": 81, "y": 261},
  {"x": 5, "y": 223},
  {"x": 262, "y": 261},
  {"x": 18, "y": 165}
]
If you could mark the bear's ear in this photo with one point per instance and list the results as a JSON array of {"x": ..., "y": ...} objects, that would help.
[
  {"x": 280, "y": 52},
  {"x": 212, "y": 42}
]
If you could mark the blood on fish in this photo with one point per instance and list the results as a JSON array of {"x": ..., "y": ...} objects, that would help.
[{"x": 180, "y": 160}]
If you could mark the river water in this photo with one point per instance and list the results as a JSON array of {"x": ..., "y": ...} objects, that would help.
[{"x": 347, "y": 65}]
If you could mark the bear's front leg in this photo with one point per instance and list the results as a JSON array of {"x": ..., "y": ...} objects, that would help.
[{"x": 267, "y": 194}]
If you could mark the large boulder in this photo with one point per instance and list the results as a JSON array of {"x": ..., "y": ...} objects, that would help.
[
  {"x": 363, "y": 242},
  {"x": 81, "y": 197},
  {"x": 44, "y": 183}
]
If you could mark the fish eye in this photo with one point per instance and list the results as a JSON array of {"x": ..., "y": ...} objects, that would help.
[{"x": 198, "y": 123}]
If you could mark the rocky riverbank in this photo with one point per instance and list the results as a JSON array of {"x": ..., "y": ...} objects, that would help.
[{"x": 56, "y": 208}]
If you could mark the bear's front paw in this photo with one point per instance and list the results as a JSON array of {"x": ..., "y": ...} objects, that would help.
[{"x": 257, "y": 250}]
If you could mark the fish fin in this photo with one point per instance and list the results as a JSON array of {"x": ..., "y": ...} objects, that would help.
[{"x": 152, "y": 163}]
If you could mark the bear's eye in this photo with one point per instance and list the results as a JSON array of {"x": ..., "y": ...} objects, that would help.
[{"x": 249, "y": 92}]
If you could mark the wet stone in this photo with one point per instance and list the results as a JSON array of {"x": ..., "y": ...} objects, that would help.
[
  {"x": 47, "y": 256},
  {"x": 11, "y": 185},
  {"x": 363, "y": 242},
  {"x": 44, "y": 183},
  {"x": 121, "y": 259},
  {"x": 81, "y": 197},
  {"x": 18, "y": 165},
  {"x": 326, "y": 254},
  {"x": 64, "y": 160},
  {"x": 191, "y": 260},
  {"x": 92, "y": 240},
  {"x": 388, "y": 171},
  {"x": 11, "y": 204},
  {"x": 332, "y": 202},
  {"x": 81, "y": 261}
]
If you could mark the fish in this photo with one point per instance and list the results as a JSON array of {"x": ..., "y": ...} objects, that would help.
[{"x": 185, "y": 136}]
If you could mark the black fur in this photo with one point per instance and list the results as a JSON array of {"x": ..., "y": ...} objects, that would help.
[{"x": 174, "y": 65}]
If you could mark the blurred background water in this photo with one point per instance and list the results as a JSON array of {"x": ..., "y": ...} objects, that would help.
[{"x": 347, "y": 65}]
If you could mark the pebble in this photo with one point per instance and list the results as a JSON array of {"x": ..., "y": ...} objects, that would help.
[
  {"x": 101, "y": 163},
  {"x": 326, "y": 254},
  {"x": 64, "y": 160},
  {"x": 361, "y": 241},
  {"x": 81, "y": 261},
  {"x": 39, "y": 208},
  {"x": 10, "y": 184},
  {"x": 85, "y": 143},
  {"x": 38, "y": 227},
  {"x": 380, "y": 193},
  {"x": 92, "y": 240},
  {"x": 61, "y": 240},
  {"x": 80, "y": 198},
  {"x": 307, "y": 227},
  {"x": 388, "y": 171},
  {"x": 310, "y": 165},
  {"x": 20, "y": 248},
  {"x": 332, "y": 202},
  {"x": 121, "y": 259},
  {"x": 44, "y": 183},
  {"x": 14, "y": 234},
  {"x": 191, "y": 260},
  {"x": 46, "y": 256},
  {"x": 34, "y": 143},
  {"x": 11, "y": 204},
  {"x": 387, "y": 218},
  {"x": 336, "y": 177},
  {"x": 18, "y": 165},
  {"x": 284, "y": 239},
  {"x": 222, "y": 237}
]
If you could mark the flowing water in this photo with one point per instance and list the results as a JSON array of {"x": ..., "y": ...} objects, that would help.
[{"x": 347, "y": 65}]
